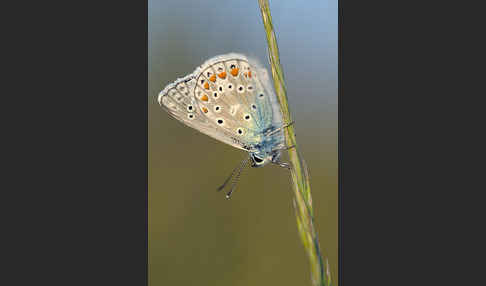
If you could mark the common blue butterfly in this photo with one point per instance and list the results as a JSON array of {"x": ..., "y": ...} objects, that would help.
[{"x": 231, "y": 99}]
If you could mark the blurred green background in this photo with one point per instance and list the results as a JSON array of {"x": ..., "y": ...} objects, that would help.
[{"x": 196, "y": 236}]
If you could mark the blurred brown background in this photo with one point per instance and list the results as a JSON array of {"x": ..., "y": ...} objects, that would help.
[{"x": 196, "y": 236}]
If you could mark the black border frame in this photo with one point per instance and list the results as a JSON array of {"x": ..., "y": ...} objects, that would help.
[{"x": 78, "y": 145}]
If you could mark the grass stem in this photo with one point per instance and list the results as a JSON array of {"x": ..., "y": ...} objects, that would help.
[{"x": 320, "y": 273}]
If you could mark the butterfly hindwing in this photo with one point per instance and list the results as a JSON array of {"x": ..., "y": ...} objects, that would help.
[{"x": 232, "y": 97}]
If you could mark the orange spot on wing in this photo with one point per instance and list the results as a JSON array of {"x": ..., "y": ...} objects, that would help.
[
  {"x": 213, "y": 78},
  {"x": 204, "y": 97},
  {"x": 234, "y": 71},
  {"x": 249, "y": 73},
  {"x": 222, "y": 75},
  {"x": 206, "y": 85},
  {"x": 204, "y": 109}
]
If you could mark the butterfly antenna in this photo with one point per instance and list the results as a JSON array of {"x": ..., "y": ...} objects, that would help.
[
  {"x": 239, "y": 167},
  {"x": 244, "y": 163},
  {"x": 227, "y": 180}
]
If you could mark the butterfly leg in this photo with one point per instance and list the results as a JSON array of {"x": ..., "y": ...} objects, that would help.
[
  {"x": 282, "y": 147},
  {"x": 282, "y": 164},
  {"x": 276, "y": 159},
  {"x": 280, "y": 128},
  {"x": 288, "y": 148}
]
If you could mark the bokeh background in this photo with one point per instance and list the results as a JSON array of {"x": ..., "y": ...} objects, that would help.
[{"x": 196, "y": 236}]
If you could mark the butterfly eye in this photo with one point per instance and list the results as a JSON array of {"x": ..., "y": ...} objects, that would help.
[{"x": 258, "y": 160}]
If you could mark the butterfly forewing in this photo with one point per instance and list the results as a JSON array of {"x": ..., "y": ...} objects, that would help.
[{"x": 183, "y": 107}]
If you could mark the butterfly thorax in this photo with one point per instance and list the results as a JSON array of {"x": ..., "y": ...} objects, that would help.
[{"x": 268, "y": 150}]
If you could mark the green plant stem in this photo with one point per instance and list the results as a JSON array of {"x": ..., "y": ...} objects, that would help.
[{"x": 300, "y": 176}]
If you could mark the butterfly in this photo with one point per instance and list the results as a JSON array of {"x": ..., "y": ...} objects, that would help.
[{"x": 230, "y": 98}]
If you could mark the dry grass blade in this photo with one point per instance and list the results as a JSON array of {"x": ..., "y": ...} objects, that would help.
[{"x": 300, "y": 177}]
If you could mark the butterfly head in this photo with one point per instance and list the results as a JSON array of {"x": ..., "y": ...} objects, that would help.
[{"x": 261, "y": 159}]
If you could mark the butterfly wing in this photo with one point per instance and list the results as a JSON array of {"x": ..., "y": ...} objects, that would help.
[
  {"x": 178, "y": 100},
  {"x": 229, "y": 98},
  {"x": 235, "y": 95}
]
